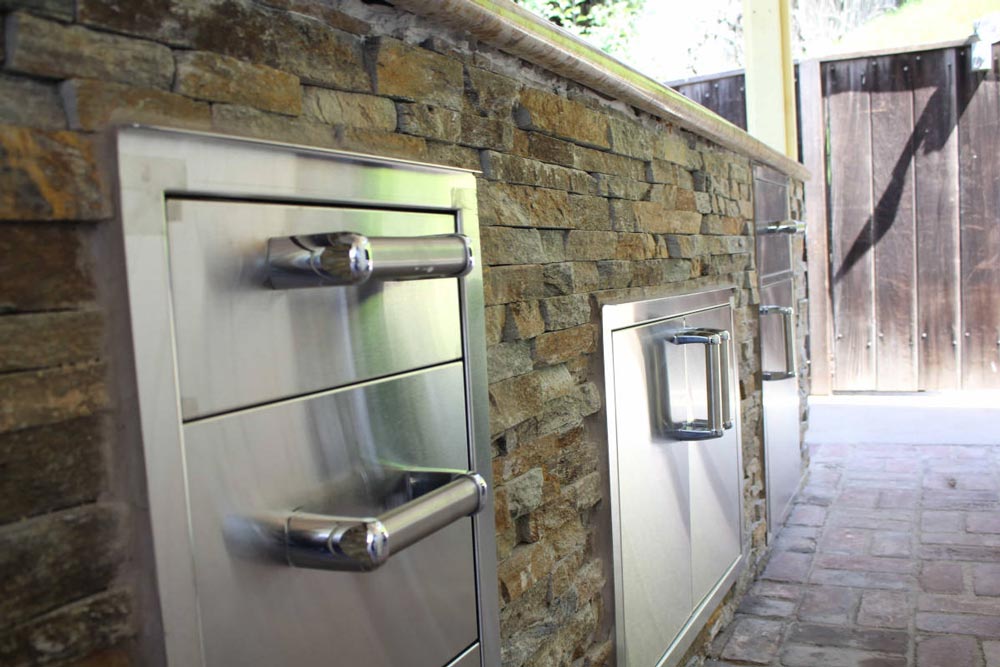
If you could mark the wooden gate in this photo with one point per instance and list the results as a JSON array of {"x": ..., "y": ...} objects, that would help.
[
  {"x": 903, "y": 216},
  {"x": 913, "y": 208}
]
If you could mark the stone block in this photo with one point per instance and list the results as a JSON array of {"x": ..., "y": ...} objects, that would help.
[
  {"x": 512, "y": 245},
  {"x": 591, "y": 245},
  {"x": 940, "y": 577},
  {"x": 526, "y": 566},
  {"x": 505, "y": 360},
  {"x": 571, "y": 278},
  {"x": 386, "y": 144},
  {"x": 524, "y": 493},
  {"x": 630, "y": 138},
  {"x": 512, "y": 169},
  {"x": 516, "y": 399},
  {"x": 35, "y": 398},
  {"x": 93, "y": 105},
  {"x": 885, "y": 609},
  {"x": 883, "y": 641},
  {"x": 654, "y": 217},
  {"x": 563, "y": 118},
  {"x": 754, "y": 641},
  {"x": 49, "y": 176},
  {"x": 30, "y": 103},
  {"x": 415, "y": 74},
  {"x": 829, "y": 605},
  {"x": 524, "y": 320},
  {"x": 622, "y": 187},
  {"x": 947, "y": 652},
  {"x": 275, "y": 127},
  {"x": 76, "y": 634},
  {"x": 602, "y": 162},
  {"x": 986, "y": 579},
  {"x": 52, "y": 560},
  {"x": 788, "y": 566},
  {"x": 483, "y": 132},
  {"x": 490, "y": 93},
  {"x": 51, "y": 467},
  {"x": 522, "y": 206},
  {"x": 960, "y": 624},
  {"x": 315, "y": 51},
  {"x": 503, "y": 284},
  {"x": 855, "y": 579},
  {"x": 218, "y": 78},
  {"x": 559, "y": 346},
  {"x": 766, "y": 607},
  {"x": 615, "y": 274},
  {"x": 865, "y": 563},
  {"x": 893, "y": 545},
  {"x": 44, "y": 266},
  {"x": 812, "y": 656},
  {"x": 589, "y": 213},
  {"x": 496, "y": 317},
  {"x": 983, "y": 522},
  {"x": 716, "y": 224},
  {"x": 429, "y": 121},
  {"x": 354, "y": 110},
  {"x": 807, "y": 515},
  {"x": 41, "y": 340},
  {"x": 440, "y": 152},
  {"x": 57, "y": 9},
  {"x": 564, "y": 312},
  {"x": 58, "y": 51}
]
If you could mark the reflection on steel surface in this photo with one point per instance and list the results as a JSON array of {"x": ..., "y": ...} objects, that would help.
[{"x": 718, "y": 400}]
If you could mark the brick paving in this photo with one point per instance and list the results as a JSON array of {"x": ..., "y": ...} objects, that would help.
[{"x": 890, "y": 558}]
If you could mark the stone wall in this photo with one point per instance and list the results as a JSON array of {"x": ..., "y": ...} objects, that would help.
[{"x": 583, "y": 201}]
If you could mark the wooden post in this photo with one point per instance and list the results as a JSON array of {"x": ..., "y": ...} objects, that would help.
[
  {"x": 769, "y": 68},
  {"x": 817, "y": 249}
]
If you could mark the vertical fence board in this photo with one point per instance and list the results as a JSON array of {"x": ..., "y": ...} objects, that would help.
[
  {"x": 893, "y": 223},
  {"x": 731, "y": 98},
  {"x": 979, "y": 182},
  {"x": 936, "y": 170},
  {"x": 849, "y": 127},
  {"x": 812, "y": 136}
]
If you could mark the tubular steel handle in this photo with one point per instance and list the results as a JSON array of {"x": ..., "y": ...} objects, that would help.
[
  {"x": 361, "y": 544},
  {"x": 786, "y": 227},
  {"x": 788, "y": 330},
  {"x": 717, "y": 358},
  {"x": 348, "y": 258}
]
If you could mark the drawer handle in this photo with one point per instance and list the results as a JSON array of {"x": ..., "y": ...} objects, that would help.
[
  {"x": 786, "y": 227},
  {"x": 362, "y": 544},
  {"x": 788, "y": 334},
  {"x": 717, "y": 384},
  {"x": 348, "y": 258}
]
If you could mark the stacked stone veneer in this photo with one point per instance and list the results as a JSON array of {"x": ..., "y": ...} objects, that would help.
[{"x": 582, "y": 201}]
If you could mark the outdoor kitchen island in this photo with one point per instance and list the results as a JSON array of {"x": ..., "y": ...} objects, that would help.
[{"x": 595, "y": 186}]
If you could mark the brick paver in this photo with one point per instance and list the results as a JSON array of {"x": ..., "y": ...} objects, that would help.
[{"x": 890, "y": 558}]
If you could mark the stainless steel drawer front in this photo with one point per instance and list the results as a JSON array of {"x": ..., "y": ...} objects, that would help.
[
  {"x": 241, "y": 343},
  {"x": 335, "y": 454}
]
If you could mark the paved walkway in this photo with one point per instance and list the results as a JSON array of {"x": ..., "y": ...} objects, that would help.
[{"x": 890, "y": 558}]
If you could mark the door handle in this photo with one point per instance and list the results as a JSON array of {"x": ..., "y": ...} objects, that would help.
[
  {"x": 717, "y": 385},
  {"x": 788, "y": 335},
  {"x": 363, "y": 543},
  {"x": 785, "y": 227},
  {"x": 348, "y": 258}
]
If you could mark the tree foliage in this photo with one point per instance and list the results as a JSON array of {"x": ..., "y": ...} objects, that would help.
[{"x": 607, "y": 24}]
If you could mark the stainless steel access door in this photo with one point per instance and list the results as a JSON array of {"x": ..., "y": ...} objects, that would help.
[
  {"x": 678, "y": 503},
  {"x": 333, "y": 453},
  {"x": 782, "y": 452}
]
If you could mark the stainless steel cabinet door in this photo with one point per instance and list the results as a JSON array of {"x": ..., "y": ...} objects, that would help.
[
  {"x": 679, "y": 500},
  {"x": 241, "y": 343},
  {"x": 782, "y": 453},
  {"x": 326, "y": 454}
]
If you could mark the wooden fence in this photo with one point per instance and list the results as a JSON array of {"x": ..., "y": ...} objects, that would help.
[{"x": 904, "y": 230}]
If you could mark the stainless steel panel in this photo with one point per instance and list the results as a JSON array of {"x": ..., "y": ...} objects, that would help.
[
  {"x": 470, "y": 658},
  {"x": 241, "y": 343},
  {"x": 654, "y": 492},
  {"x": 715, "y": 485},
  {"x": 782, "y": 453},
  {"x": 770, "y": 203},
  {"x": 676, "y": 505},
  {"x": 328, "y": 453}
]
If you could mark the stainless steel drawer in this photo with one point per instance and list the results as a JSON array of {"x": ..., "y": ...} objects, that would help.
[
  {"x": 241, "y": 343},
  {"x": 328, "y": 454}
]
